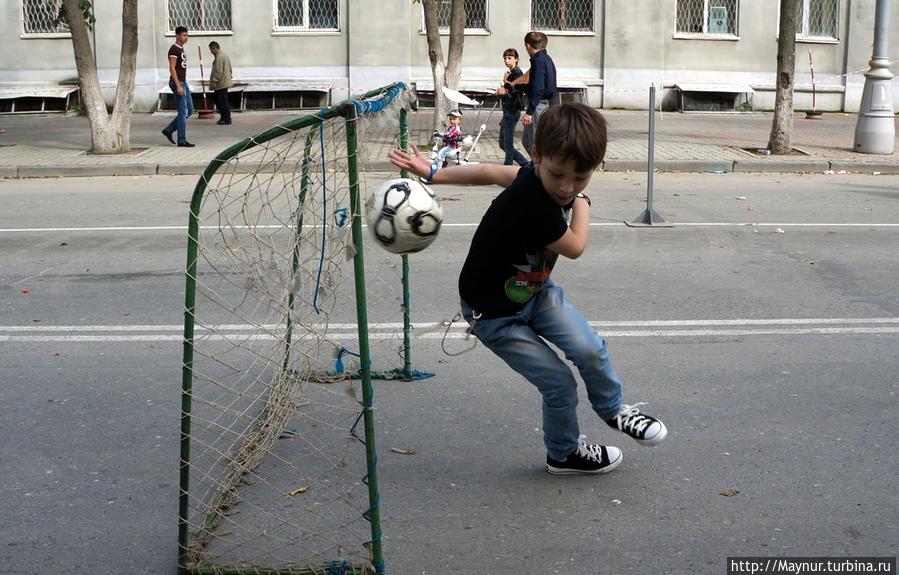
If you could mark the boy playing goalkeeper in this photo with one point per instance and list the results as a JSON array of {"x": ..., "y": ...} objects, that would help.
[{"x": 511, "y": 303}]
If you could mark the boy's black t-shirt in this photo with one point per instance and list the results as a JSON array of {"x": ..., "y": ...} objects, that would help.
[{"x": 508, "y": 261}]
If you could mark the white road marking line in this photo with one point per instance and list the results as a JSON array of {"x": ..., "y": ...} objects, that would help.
[
  {"x": 433, "y": 330},
  {"x": 456, "y": 325},
  {"x": 461, "y": 225},
  {"x": 451, "y": 335}
]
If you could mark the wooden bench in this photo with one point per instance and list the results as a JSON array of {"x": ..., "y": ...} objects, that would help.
[
  {"x": 259, "y": 94},
  {"x": 712, "y": 97},
  {"x": 37, "y": 98},
  {"x": 482, "y": 89}
]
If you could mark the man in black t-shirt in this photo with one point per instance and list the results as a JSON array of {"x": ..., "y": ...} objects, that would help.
[
  {"x": 180, "y": 89},
  {"x": 512, "y": 305}
]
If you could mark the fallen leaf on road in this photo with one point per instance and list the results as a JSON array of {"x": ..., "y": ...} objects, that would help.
[
  {"x": 729, "y": 492},
  {"x": 402, "y": 450},
  {"x": 298, "y": 490}
]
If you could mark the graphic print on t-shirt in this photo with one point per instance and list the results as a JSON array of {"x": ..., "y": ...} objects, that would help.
[{"x": 529, "y": 279}]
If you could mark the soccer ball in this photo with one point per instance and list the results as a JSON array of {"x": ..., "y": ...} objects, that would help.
[{"x": 403, "y": 216}]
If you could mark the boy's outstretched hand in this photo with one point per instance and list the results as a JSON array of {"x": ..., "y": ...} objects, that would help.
[{"x": 415, "y": 162}]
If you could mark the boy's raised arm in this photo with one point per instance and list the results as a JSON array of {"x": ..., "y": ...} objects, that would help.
[{"x": 470, "y": 174}]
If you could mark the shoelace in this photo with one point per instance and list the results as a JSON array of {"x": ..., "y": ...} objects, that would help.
[
  {"x": 631, "y": 419},
  {"x": 593, "y": 452}
]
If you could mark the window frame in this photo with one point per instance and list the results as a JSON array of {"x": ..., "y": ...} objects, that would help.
[
  {"x": 26, "y": 35},
  {"x": 279, "y": 30},
  {"x": 706, "y": 35},
  {"x": 444, "y": 30},
  {"x": 170, "y": 32},
  {"x": 802, "y": 35},
  {"x": 557, "y": 32}
]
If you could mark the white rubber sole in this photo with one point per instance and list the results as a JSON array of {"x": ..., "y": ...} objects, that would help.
[{"x": 613, "y": 463}]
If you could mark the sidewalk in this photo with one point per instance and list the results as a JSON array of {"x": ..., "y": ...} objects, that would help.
[{"x": 55, "y": 145}]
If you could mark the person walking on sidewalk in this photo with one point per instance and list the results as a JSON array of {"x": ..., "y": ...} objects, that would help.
[
  {"x": 220, "y": 80},
  {"x": 181, "y": 90},
  {"x": 513, "y": 306},
  {"x": 512, "y": 105},
  {"x": 541, "y": 85}
]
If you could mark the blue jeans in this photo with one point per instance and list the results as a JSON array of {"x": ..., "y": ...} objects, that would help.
[
  {"x": 507, "y": 139},
  {"x": 519, "y": 341},
  {"x": 185, "y": 111},
  {"x": 527, "y": 137}
]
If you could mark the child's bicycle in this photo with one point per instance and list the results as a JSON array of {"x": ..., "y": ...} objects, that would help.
[
  {"x": 462, "y": 154},
  {"x": 458, "y": 156}
]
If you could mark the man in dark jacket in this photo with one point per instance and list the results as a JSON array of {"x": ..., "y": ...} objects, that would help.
[{"x": 541, "y": 85}]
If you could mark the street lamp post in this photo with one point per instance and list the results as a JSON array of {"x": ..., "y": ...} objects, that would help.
[{"x": 875, "y": 130}]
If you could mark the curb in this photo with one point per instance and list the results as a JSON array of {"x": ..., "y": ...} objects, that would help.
[
  {"x": 717, "y": 166},
  {"x": 866, "y": 168},
  {"x": 692, "y": 166},
  {"x": 800, "y": 166},
  {"x": 85, "y": 171},
  {"x": 187, "y": 169}
]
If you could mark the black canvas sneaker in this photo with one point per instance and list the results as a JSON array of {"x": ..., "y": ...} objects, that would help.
[
  {"x": 645, "y": 429},
  {"x": 586, "y": 459}
]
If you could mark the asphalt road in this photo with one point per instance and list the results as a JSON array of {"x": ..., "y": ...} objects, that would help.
[{"x": 763, "y": 328}]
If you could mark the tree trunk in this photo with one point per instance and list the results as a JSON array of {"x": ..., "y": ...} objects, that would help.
[
  {"x": 109, "y": 135},
  {"x": 124, "y": 93},
  {"x": 779, "y": 142},
  {"x": 444, "y": 74},
  {"x": 456, "y": 44}
]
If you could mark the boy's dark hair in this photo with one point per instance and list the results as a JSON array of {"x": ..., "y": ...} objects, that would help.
[
  {"x": 214, "y": 44},
  {"x": 536, "y": 40},
  {"x": 180, "y": 30},
  {"x": 572, "y": 132},
  {"x": 511, "y": 52}
]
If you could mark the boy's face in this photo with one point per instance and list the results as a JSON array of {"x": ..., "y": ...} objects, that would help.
[
  {"x": 511, "y": 61},
  {"x": 454, "y": 120},
  {"x": 561, "y": 180}
]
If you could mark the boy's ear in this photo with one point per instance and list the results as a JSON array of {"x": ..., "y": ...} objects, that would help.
[{"x": 535, "y": 157}]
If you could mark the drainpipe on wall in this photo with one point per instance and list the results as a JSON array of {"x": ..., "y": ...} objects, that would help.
[
  {"x": 602, "y": 57},
  {"x": 349, "y": 81},
  {"x": 846, "y": 48}
]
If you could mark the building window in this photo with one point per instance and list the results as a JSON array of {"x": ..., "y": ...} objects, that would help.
[
  {"x": 820, "y": 20},
  {"x": 200, "y": 15},
  {"x": 305, "y": 14},
  {"x": 562, "y": 15},
  {"x": 40, "y": 18},
  {"x": 475, "y": 15},
  {"x": 708, "y": 17}
]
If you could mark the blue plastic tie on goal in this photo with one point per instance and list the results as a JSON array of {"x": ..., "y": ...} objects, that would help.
[
  {"x": 335, "y": 568},
  {"x": 377, "y": 104},
  {"x": 338, "y": 364},
  {"x": 321, "y": 259},
  {"x": 341, "y": 216}
]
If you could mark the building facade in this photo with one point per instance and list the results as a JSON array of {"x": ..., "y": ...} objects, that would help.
[{"x": 608, "y": 52}]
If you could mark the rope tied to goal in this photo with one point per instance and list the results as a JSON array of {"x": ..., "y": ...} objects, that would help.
[{"x": 321, "y": 257}]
